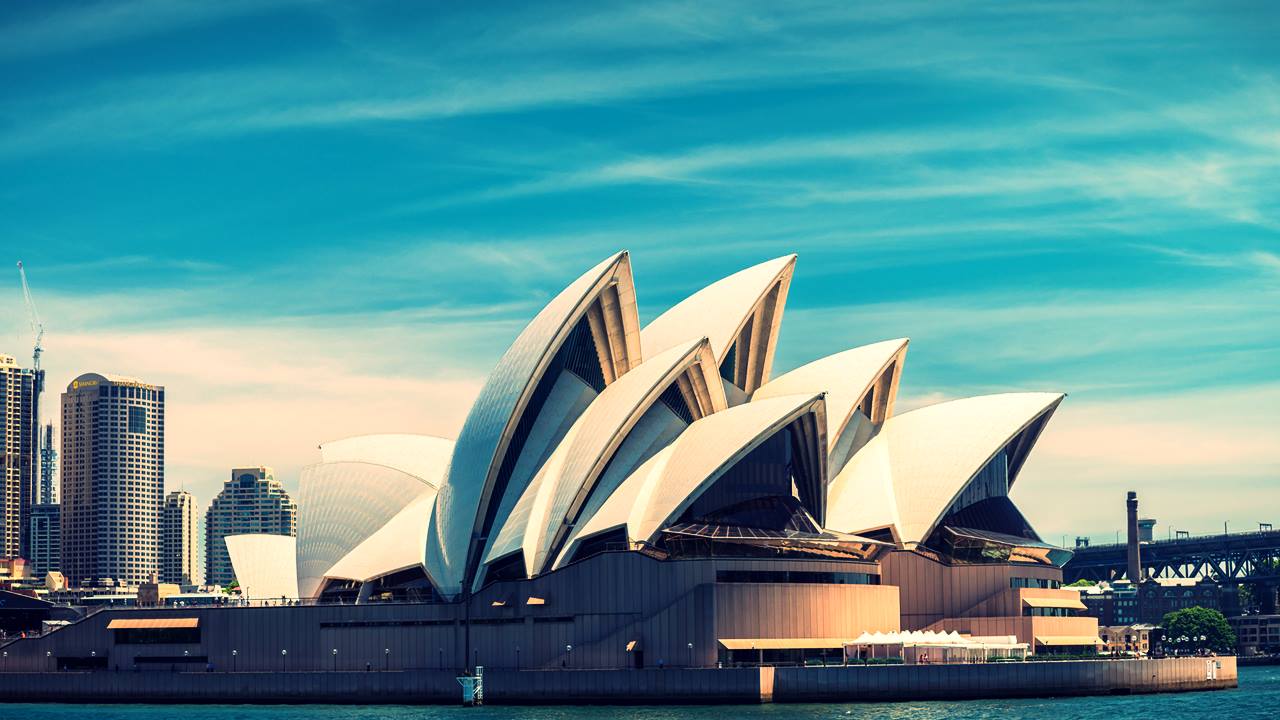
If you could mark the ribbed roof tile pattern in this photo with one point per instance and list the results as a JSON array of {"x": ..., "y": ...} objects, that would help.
[
  {"x": 485, "y": 435},
  {"x": 845, "y": 377},
  {"x": 908, "y": 476},
  {"x": 665, "y": 485}
]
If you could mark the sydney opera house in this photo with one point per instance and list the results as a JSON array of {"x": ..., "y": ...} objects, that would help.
[{"x": 628, "y": 496}]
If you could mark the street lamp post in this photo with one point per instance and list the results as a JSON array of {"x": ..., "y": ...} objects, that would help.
[
  {"x": 335, "y": 659},
  {"x": 569, "y": 651},
  {"x": 283, "y": 655},
  {"x": 441, "y": 658},
  {"x": 690, "y": 654},
  {"x": 48, "y": 654},
  {"x": 517, "y": 657},
  {"x": 386, "y": 659}
]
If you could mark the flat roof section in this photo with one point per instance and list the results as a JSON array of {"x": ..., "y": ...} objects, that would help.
[
  {"x": 1057, "y": 640},
  {"x": 1044, "y": 602},
  {"x": 152, "y": 623},
  {"x": 783, "y": 643}
]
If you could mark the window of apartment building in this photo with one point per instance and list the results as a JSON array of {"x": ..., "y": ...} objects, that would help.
[{"x": 137, "y": 419}]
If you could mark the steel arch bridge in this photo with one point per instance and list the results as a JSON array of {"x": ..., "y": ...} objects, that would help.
[{"x": 1234, "y": 559}]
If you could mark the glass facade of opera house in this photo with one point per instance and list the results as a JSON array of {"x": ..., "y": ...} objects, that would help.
[{"x": 628, "y": 496}]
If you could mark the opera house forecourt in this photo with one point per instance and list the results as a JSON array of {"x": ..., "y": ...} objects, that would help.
[{"x": 625, "y": 498}]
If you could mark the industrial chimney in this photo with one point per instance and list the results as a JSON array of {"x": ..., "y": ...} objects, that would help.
[{"x": 1135, "y": 556}]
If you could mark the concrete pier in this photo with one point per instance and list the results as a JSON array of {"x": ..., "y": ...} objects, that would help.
[{"x": 729, "y": 685}]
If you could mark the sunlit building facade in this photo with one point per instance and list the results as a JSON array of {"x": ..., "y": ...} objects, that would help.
[
  {"x": 180, "y": 540},
  {"x": 18, "y": 439},
  {"x": 112, "y": 480}
]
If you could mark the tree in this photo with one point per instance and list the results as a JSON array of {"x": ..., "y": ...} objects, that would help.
[
  {"x": 1197, "y": 622},
  {"x": 1082, "y": 583}
]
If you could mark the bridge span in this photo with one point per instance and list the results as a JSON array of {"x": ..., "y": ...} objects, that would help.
[{"x": 1228, "y": 559}]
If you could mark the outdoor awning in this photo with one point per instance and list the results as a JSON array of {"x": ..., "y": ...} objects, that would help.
[
  {"x": 1052, "y": 640},
  {"x": 1045, "y": 602},
  {"x": 782, "y": 643},
  {"x": 152, "y": 623}
]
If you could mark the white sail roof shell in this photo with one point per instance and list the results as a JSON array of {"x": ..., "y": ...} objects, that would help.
[
  {"x": 580, "y": 457},
  {"x": 720, "y": 310},
  {"x": 395, "y": 546},
  {"x": 845, "y": 377},
  {"x": 423, "y": 456},
  {"x": 667, "y": 483},
  {"x": 363, "y": 482},
  {"x": 489, "y": 426},
  {"x": 340, "y": 505},
  {"x": 265, "y": 565},
  {"x": 910, "y": 473}
]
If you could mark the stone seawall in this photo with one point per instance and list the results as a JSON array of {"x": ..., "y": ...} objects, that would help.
[
  {"x": 1001, "y": 680},
  {"x": 736, "y": 685}
]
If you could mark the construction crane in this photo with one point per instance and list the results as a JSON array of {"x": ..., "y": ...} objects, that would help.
[
  {"x": 37, "y": 326},
  {"x": 37, "y": 379}
]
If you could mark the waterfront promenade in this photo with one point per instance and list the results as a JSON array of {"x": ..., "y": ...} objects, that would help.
[{"x": 681, "y": 686}]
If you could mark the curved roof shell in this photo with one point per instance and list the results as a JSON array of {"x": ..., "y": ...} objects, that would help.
[
  {"x": 665, "y": 485},
  {"x": 423, "y": 456},
  {"x": 340, "y": 505},
  {"x": 605, "y": 297},
  {"x": 395, "y": 546},
  {"x": 551, "y": 503},
  {"x": 847, "y": 378},
  {"x": 741, "y": 313},
  {"x": 907, "y": 477},
  {"x": 265, "y": 565}
]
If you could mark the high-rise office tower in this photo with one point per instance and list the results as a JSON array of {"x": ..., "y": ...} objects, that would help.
[
  {"x": 18, "y": 438},
  {"x": 48, "y": 467},
  {"x": 44, "y": 541},
  {"x": 179, "y": 539},
  {"x": 112, "y": 480},
  {"x": 252, "y": 501}
]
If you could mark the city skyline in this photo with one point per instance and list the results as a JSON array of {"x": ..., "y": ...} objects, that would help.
[{"x": 300, "y": 262}]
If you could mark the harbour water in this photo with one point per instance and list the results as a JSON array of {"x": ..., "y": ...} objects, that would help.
[{"x": 1257, "y": 697}]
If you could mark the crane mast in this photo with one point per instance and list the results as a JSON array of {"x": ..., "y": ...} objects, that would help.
[
  {"x": 37, "y": 386},
  {"x": 37, "y": 326}
]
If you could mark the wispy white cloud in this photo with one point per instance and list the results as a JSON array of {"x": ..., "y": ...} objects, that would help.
[
  {"x": 249, "y": 394},
  {"x": 1196, "y": 457},
  {"x": 464, "y": 72},
  {"x": 1112, "y": 341},
  {"x": 94, "y": 24},
  {"x": 1260, "y": 261}
]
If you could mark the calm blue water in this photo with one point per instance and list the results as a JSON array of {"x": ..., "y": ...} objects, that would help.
[{"x": 1257, "y": 697}]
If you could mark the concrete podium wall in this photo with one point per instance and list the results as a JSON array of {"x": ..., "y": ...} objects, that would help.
[
  {"x": 678, "y": 685},
  {"x": 996, "y": 680}
]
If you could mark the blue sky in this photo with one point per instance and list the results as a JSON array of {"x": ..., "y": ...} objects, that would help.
[{"x": 312, "y": 219}]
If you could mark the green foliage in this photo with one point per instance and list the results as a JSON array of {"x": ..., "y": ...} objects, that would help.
[
  {"x": 1195, "y": 623},
  {"x": 1082, "y": 583}
]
